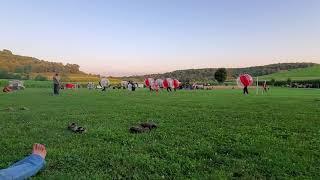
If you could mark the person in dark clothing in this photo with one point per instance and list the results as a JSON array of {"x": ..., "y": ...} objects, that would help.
[
  {"x": 265, "y": 87},
  {"x": 245, "y": 90},
  {"x": 56, "y": 84},
  {"x": 133, "y": 86}
]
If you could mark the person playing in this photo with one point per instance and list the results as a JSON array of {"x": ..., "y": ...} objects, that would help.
[
  {"x": 155, "y": 87},
  {"x": 170, "y": 85},
  {"x": 245, "y": 90},
  {"x": 27, "y": 167},
  {"x": 133, "y": 86},
  {"x": 104, "y": 83},
  {"x": 56, "y": 84},
  {"x": 130, "y": 86},
  {"x": 265, "y": 86},
  {"x": 90, "y": 85}
]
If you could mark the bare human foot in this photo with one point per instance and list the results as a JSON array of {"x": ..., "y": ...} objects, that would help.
[{"x": 40, "y": 150}]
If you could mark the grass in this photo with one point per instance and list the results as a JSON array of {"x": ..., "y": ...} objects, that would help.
[
  {"x": 295, "y": 74},
  {"x": 217, "y": 134}
]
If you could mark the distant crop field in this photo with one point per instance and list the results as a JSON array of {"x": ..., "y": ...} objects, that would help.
[
  {"x": 201, "y": 135},
  {"x": 295, "y": 74},
  {"x": 81, "y": 78},
  {"x": 49, "y": 84}
]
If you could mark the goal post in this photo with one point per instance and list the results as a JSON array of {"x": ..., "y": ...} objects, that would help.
[{"x": 257, "y": 84}]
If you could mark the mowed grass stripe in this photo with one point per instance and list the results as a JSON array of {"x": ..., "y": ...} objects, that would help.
[{"x": 202, "y": 134}]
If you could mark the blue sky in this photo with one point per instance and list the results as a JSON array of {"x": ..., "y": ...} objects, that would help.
[{"x": 125, "y": 37}]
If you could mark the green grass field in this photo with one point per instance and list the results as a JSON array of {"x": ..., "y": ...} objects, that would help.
[
  {"x": 201, "y": 135},
  {"x": 295, "y": 74}
]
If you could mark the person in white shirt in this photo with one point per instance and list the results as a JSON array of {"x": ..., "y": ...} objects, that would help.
[{"x": 130, "y": 86}]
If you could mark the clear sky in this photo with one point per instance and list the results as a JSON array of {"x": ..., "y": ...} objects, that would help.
[{"x": 126, "y": 37}]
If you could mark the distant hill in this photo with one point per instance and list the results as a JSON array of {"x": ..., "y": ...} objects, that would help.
[
  {"x": 24, "y": 67},
  {"x": 207, "y": 74},
  {"x": 295, "y": 74},
  {"x": 23, "y": 64}
]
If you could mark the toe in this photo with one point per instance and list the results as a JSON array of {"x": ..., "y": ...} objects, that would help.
[
  {"x": 34, "y": 147},
  {"x": 37, "y": 146},
  {"x": 41, "y": 147}
]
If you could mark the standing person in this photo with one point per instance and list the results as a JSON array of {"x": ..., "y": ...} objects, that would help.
[
  {"x": 170, "y": 85},
  {"x": 56, "y": 84},
  {"x": 133, "y": 86},
  {"x": 265, "y": 86},
  {"x": 245, "y": 90},
  {"x": 130, "y": 86},
  {"x": 104, "y": 83},
  {"x": 27, "y": 167},
  {"x": 155, "y": 87}
]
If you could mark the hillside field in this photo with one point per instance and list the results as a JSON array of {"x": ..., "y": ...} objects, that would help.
[
  {"x": 81, "y": 78},
  {"x": 218, "y": 134},
  {"x": 295, "y": 74}
]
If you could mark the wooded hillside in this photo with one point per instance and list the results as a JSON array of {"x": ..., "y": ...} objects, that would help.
[
  {"x": 207, "y": 74},
  {"x": 24, "y": 64}
]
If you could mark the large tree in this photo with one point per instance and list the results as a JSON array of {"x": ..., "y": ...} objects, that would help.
[{"x": 221, "y": 75}]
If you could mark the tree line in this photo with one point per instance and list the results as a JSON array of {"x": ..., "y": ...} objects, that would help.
[
  {"x": 25, "y": 65},
  {"x": 208, "y": 74}
]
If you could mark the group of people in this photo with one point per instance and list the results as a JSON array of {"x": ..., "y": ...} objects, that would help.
[
  {"x": 167, "y": 83},
  {"x": 104, "y": 83},
  {"x": 156, "y": 88},
  {"x": 131, "y": 86}
]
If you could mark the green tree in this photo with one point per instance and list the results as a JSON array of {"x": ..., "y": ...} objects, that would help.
[
  {"x": 221, "y": 75},
  {"x": 289, "y": 81}
]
